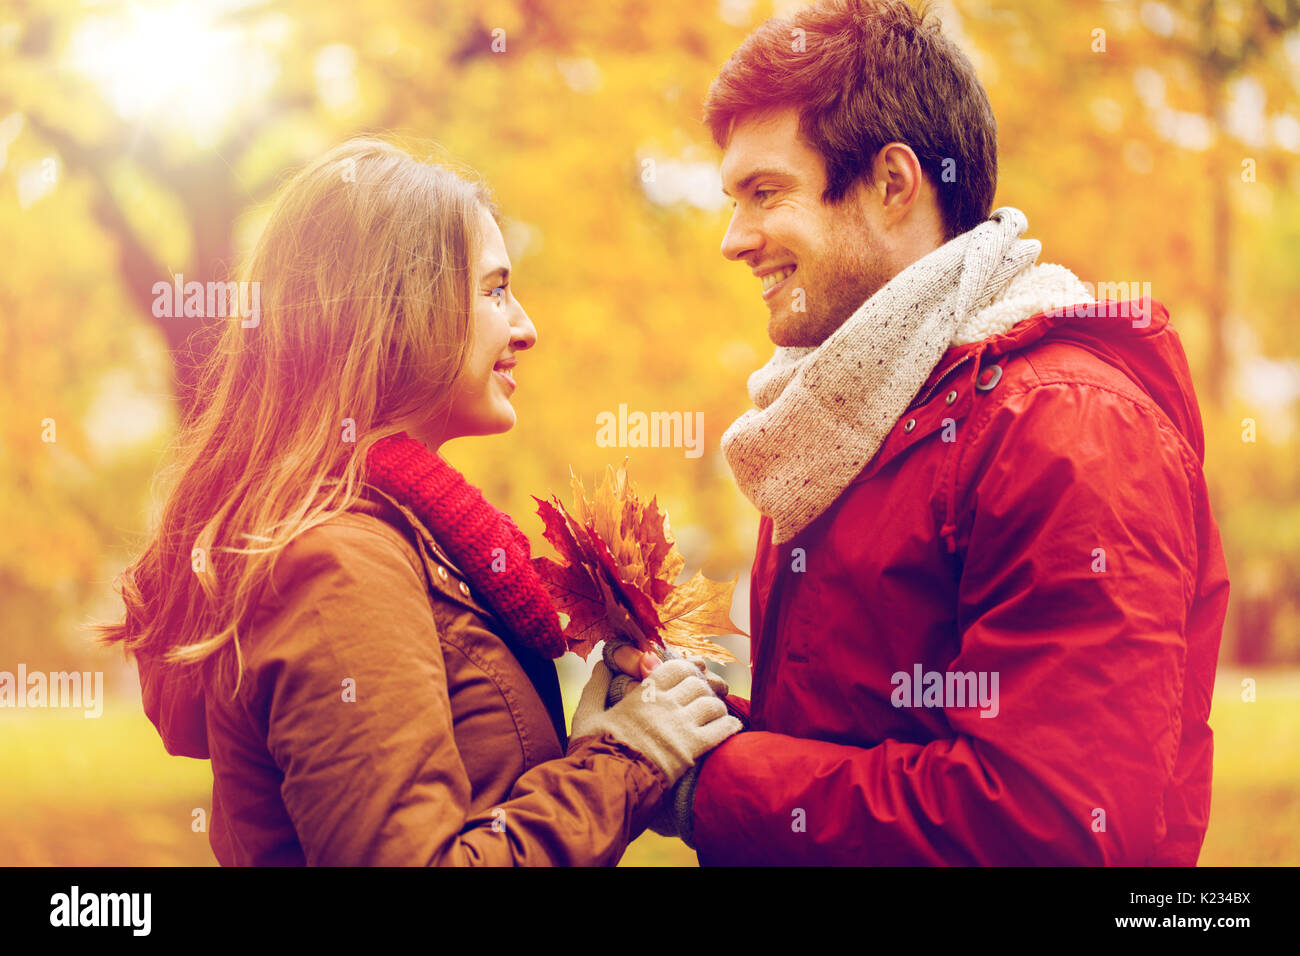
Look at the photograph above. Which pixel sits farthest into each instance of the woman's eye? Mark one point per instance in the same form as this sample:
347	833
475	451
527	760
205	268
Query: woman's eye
499	289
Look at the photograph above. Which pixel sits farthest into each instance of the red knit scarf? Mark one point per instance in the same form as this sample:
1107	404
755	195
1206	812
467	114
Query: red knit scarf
470	530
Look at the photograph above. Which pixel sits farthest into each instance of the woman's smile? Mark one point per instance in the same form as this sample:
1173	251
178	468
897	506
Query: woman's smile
505	371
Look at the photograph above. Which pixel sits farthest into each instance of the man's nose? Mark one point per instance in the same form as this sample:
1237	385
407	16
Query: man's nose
741	237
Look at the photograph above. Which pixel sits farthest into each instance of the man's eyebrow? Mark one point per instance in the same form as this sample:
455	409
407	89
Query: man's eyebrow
501	271
758	174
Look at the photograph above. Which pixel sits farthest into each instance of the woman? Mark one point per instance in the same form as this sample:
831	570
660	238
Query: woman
331	613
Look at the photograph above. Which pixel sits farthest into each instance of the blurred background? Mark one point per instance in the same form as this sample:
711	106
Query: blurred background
1147	141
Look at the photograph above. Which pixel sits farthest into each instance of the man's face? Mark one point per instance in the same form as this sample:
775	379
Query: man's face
817	262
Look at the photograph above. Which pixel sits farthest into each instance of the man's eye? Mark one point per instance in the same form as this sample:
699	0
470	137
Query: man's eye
762	194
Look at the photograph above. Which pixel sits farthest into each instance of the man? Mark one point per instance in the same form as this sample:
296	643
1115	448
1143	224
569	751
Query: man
988	592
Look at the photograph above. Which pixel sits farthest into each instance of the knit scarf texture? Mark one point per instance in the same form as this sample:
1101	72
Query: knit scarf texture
823	411
470	529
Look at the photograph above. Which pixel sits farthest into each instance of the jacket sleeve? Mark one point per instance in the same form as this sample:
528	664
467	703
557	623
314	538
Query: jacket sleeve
738	707
1077	568
347	679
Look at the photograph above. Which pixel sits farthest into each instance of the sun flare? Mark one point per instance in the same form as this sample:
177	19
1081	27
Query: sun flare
175	65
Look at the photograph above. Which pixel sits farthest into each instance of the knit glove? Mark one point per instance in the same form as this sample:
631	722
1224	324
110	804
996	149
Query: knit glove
674	816
671	718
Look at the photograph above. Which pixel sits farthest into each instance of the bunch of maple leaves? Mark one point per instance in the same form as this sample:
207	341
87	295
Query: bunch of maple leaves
617	573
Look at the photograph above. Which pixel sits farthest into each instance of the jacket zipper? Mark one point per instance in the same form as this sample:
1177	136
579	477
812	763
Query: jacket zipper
776	599
771	651
935	387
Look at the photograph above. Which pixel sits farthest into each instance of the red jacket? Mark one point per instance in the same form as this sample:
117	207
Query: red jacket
1052	532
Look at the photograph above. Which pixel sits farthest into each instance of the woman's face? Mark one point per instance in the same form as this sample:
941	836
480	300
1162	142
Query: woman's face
480	396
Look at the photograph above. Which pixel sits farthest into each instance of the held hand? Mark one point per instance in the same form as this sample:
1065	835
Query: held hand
672	718
626	662
623	656
715	681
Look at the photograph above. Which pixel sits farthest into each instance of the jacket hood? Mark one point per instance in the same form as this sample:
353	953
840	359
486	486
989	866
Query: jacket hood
173	700
173	695
1136	337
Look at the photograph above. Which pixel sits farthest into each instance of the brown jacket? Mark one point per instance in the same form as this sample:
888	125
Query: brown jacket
384	720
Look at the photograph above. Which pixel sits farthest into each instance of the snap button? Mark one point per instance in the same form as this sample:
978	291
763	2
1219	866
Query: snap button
909	424
950	397
442	573
464	589
994	378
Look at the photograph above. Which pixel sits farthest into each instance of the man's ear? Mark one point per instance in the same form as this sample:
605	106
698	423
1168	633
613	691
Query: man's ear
898	180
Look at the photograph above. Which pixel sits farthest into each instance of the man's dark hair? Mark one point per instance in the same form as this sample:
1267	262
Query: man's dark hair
864	73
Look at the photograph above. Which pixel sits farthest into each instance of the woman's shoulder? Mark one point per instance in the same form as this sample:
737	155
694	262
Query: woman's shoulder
356	541
352	561
351	584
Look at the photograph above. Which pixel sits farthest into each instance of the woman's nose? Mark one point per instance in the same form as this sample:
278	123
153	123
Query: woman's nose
524	333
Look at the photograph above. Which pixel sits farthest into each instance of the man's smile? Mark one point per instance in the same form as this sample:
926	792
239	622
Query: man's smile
774	279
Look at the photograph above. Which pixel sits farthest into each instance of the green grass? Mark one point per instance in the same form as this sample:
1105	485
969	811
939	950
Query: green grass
104	792
97	792
1255	806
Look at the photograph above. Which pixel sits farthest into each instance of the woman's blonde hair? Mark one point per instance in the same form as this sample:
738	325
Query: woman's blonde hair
364	268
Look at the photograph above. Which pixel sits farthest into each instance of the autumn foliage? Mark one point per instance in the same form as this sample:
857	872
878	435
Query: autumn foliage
618	571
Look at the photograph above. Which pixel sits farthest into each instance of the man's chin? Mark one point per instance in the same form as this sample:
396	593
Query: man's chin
789	334
779	330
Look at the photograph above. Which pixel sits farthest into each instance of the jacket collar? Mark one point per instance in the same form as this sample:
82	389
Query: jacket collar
1030	330
380	504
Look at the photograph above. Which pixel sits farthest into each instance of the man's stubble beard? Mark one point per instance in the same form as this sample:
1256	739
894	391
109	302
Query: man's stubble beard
844	282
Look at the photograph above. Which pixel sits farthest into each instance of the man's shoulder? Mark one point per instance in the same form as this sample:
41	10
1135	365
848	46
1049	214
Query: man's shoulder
1063	411
1063	361
1072	383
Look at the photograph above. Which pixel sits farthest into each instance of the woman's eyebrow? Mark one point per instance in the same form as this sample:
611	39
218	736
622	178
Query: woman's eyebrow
496	272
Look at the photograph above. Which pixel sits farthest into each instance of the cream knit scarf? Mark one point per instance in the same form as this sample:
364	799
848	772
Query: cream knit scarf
822	412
